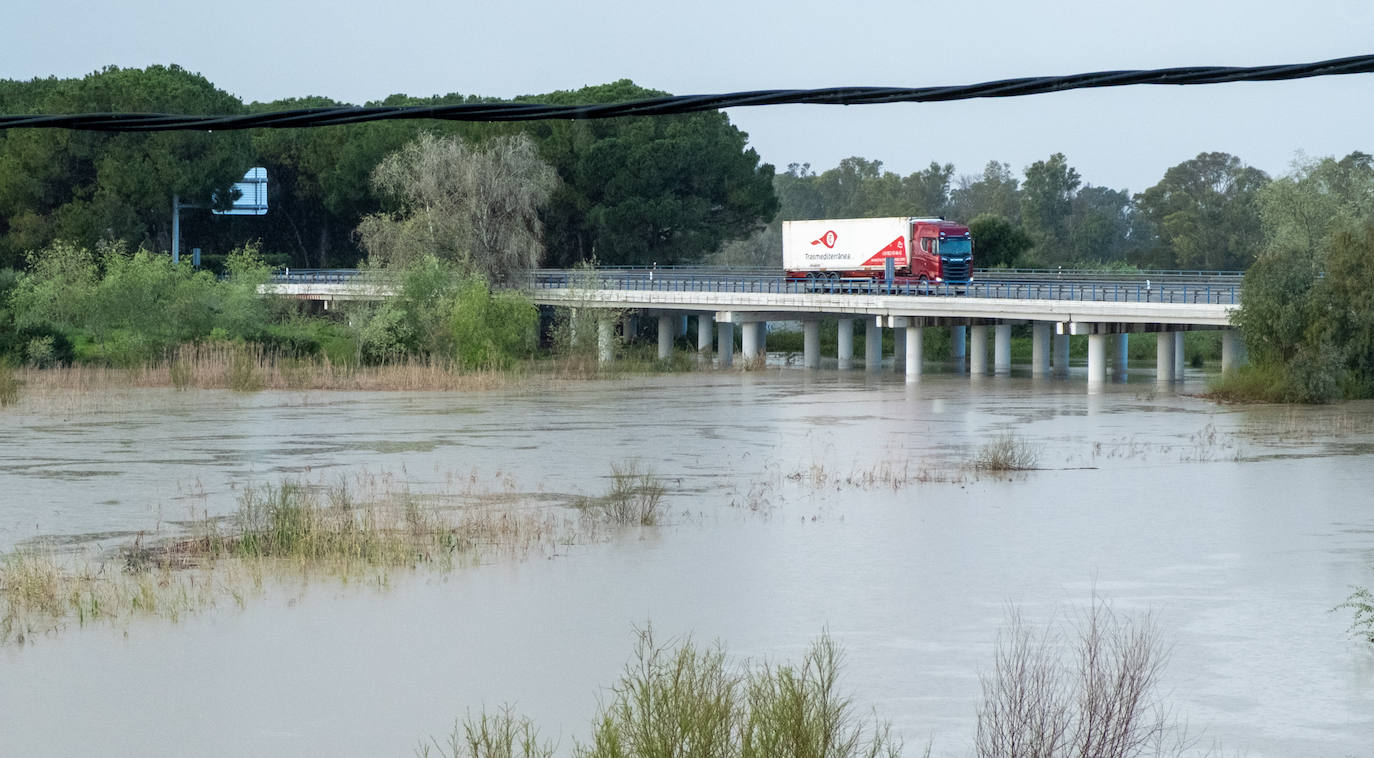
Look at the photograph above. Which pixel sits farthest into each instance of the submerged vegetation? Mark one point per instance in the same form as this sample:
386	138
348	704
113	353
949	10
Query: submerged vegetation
357	532
1089	688
684	699
634	498
1361	604
1006	452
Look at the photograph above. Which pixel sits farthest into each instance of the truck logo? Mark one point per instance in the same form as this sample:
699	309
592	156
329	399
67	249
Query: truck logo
827	239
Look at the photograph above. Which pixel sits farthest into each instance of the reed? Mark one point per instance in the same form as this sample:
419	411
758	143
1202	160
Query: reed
1005	453
249	367
355	532
9	385
634	498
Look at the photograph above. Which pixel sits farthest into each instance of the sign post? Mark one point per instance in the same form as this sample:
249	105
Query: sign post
250	199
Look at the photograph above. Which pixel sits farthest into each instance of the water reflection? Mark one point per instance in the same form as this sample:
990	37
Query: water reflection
1240	526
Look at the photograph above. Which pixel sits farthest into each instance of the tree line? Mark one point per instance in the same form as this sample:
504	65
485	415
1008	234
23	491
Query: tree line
1203	214
629	190
460	206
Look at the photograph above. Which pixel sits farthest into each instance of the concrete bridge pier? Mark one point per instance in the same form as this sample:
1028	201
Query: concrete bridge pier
978	350
605	340
762	326
873	344
899	345
1097	359
1164	358
704	332
846	343
725	339
1232	350
1179	358
1001	349
1061	354
667	328
811	344
914	347
1040	348
749	340
957	351
1121	356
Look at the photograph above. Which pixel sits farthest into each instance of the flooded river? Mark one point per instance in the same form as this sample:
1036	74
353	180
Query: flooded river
1239	527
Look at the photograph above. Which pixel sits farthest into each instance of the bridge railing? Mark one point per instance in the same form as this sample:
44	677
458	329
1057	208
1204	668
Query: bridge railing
1212	287
681	280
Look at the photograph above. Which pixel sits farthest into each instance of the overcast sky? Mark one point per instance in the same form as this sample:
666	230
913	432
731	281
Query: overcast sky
1124	138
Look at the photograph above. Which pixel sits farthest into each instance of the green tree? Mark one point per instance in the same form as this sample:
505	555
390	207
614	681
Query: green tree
926	192
1101	225
1206	212
643	190
997	241
89	186
1302	210
995	191
797	193
476	207
1047	203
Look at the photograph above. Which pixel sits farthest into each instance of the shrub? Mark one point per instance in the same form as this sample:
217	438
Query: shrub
1103	705
1361	603
1007	452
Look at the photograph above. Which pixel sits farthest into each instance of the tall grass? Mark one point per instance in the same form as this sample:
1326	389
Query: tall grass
680	699
634	498
352	532
249	367
1006	452
9	385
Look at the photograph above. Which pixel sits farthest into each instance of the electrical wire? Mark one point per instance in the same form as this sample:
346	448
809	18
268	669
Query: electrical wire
679	104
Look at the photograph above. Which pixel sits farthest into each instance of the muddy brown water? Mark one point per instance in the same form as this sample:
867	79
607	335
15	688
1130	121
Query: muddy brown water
1239	527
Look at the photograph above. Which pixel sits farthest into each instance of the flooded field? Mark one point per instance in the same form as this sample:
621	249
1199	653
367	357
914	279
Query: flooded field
796	502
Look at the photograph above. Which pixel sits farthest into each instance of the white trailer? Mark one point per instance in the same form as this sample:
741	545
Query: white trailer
850	244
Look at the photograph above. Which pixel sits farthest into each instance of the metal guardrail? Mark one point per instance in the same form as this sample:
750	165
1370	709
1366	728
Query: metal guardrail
1219	293
1214	287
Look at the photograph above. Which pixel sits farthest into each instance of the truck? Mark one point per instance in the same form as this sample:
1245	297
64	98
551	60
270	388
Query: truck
922	250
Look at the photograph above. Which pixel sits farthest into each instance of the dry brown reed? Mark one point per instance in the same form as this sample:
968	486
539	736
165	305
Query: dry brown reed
249	367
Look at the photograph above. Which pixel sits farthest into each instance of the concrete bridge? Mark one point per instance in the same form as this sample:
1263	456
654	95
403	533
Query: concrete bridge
1057	304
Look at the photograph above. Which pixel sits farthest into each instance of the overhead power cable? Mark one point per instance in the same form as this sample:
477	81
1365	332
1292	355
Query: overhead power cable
678	104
